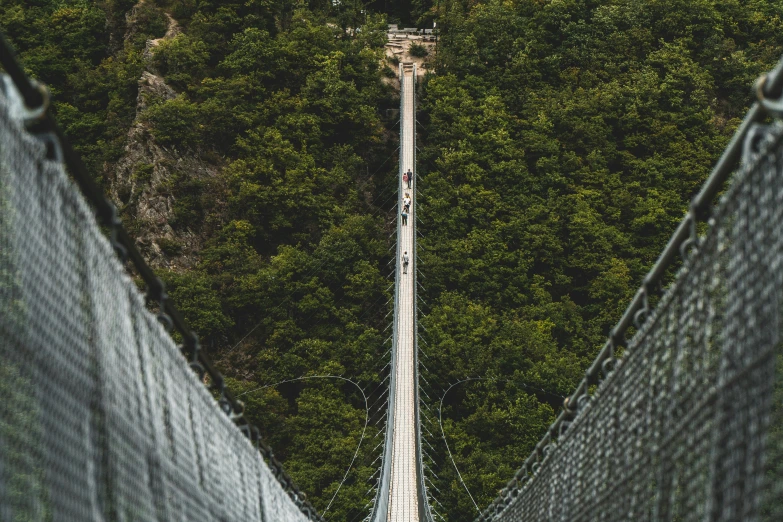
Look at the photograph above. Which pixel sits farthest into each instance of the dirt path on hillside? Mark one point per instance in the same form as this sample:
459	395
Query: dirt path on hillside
398	47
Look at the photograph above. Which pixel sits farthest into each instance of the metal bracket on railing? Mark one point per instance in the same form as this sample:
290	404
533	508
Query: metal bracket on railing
219	385
641	314
688	247
757	137
114	224
54	151
773	107
195	364
35	114
608	364
563	428
35	117
583	401
157	293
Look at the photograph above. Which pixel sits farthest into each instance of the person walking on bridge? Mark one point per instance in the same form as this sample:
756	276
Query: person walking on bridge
405	260
409	174
404	217
406	202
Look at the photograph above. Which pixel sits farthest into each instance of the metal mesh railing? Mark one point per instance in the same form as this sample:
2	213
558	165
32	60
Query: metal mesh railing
101	418
688	423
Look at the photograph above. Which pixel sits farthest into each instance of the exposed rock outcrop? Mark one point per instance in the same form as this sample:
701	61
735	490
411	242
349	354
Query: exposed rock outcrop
172	31
144	182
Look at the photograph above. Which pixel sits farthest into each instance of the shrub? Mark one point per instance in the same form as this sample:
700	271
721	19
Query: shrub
142	173
151	22
170	247
418	50
175	122
181	60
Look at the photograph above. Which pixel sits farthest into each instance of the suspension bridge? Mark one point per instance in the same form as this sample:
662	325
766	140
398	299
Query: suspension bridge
104	417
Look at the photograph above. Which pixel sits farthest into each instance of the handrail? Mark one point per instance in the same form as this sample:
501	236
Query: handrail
37	100
425	513
380	511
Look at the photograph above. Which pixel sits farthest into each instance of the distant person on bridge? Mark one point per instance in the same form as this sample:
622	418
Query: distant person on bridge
405	261
406	202
405	179
410	177
404	217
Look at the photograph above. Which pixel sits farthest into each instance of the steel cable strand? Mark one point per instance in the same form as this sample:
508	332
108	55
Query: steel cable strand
443	433
448	449
364	429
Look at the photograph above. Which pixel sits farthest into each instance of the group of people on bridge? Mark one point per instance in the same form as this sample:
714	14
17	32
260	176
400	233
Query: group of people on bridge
407	179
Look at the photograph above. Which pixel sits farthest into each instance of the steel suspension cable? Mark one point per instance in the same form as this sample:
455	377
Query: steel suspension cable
443	433
364	429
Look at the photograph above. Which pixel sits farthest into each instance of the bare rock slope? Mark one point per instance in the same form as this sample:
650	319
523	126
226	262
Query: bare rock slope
142	183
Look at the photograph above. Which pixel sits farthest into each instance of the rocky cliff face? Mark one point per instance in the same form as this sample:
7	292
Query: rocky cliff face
142	182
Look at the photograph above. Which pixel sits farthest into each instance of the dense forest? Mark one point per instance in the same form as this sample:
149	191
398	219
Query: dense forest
251	148
561	144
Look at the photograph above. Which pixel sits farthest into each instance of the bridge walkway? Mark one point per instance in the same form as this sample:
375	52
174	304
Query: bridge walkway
403	499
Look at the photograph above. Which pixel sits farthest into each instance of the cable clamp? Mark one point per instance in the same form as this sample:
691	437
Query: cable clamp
114	224
641	315
757	139
688	248
772	107
195	347
157	293
33	115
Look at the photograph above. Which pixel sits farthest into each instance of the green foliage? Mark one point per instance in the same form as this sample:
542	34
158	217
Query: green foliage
284	105
176	122
198	299
418	50
149	21
562	142
182	60
142	173
68	45
294	253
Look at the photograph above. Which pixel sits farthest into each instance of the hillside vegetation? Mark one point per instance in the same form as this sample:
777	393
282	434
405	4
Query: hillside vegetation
289	109
560	142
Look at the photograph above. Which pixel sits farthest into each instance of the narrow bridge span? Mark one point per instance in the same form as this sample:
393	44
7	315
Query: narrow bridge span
402	493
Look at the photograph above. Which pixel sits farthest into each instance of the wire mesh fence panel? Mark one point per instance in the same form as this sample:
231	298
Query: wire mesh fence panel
100	416
689	424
